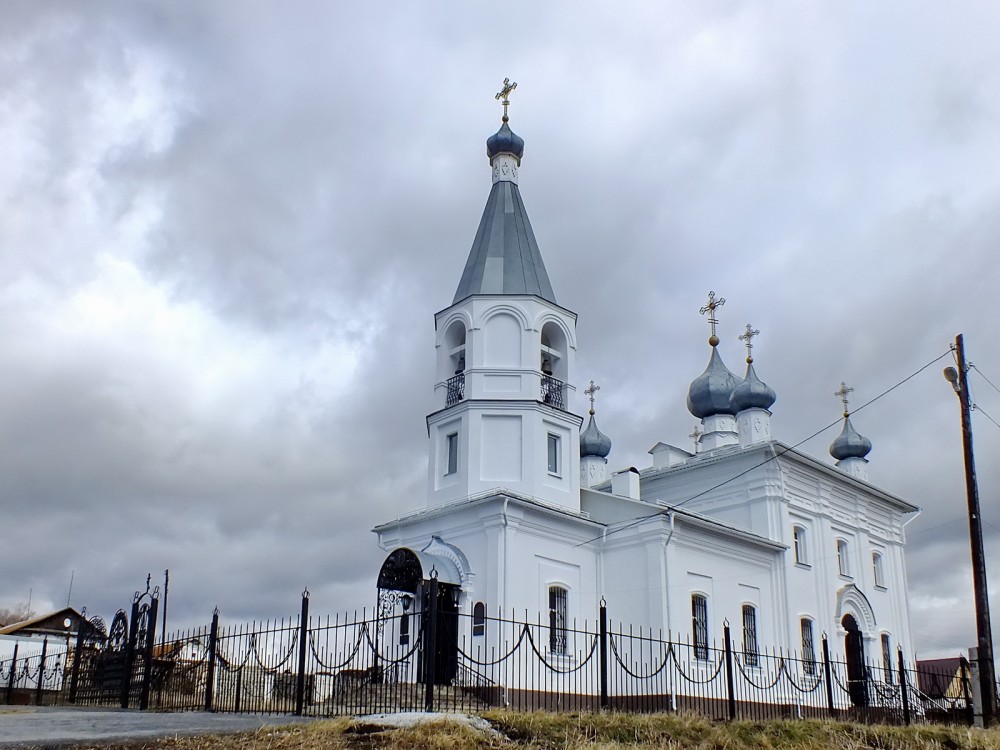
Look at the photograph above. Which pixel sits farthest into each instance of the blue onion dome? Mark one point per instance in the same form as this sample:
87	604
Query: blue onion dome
752	393
593	442
710	392
849	443
505	141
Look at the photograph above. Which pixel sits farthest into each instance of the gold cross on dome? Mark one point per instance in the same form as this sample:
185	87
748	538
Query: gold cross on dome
504	93
590	391
710	308
842	395
696	436
748	337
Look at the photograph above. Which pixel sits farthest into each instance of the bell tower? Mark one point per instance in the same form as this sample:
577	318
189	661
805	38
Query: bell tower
505	359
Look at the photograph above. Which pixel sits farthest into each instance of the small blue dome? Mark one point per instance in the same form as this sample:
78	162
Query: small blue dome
710	392
504	141
593	442
849	443
752	393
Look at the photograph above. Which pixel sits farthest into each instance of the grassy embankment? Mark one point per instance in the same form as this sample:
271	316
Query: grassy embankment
543	731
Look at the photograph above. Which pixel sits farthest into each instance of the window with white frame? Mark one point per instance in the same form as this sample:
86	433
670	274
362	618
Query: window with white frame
799	545
554	458
842	563
699	625
558	609
887	657
479	619
750	651
808	646
877	570
451	453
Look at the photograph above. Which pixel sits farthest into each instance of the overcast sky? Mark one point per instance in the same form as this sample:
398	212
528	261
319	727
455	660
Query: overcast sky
225	228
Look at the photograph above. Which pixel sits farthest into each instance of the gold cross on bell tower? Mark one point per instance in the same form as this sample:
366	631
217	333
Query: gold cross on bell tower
748	337
504	94
590	391
710	308
842	395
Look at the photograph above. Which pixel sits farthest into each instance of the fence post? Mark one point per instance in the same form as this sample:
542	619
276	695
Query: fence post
828	676
964	663
213	637
74	679
730	686
126	686
147	655
300	680
13	671
903	691
604	653
41	672
430	644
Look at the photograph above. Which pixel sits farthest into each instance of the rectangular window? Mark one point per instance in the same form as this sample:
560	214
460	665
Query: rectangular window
887	658
877	570
808	650
451	448
750	653
554	450
557	619
842	565
699	625
799	544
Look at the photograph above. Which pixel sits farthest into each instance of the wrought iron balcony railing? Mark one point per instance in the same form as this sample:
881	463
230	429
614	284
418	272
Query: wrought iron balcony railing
553	392
456	389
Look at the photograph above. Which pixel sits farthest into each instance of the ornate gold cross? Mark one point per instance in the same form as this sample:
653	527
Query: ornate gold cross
748	337
590	391
710	308
842	395
696	436
504	94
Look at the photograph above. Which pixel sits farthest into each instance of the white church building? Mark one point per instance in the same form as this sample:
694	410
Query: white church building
523	514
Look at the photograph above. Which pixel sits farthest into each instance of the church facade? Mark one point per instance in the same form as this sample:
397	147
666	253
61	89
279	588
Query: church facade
523	516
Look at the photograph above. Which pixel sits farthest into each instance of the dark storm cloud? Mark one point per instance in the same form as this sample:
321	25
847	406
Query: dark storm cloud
227	228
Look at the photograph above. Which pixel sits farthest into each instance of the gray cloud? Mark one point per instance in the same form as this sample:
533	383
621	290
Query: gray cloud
226	229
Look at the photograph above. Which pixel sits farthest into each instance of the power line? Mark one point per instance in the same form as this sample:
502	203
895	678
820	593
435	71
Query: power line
977	407
776	455
973	367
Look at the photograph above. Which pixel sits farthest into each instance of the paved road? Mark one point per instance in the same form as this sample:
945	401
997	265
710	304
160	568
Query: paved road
26	727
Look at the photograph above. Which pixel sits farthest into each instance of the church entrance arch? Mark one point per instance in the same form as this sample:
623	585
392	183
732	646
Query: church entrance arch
854	652
406	583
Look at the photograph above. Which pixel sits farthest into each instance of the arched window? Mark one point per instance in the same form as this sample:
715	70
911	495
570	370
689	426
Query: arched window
479	619
699	625
842	563
750	651
887	658
558	609
454	374
808	646
877	570
799	545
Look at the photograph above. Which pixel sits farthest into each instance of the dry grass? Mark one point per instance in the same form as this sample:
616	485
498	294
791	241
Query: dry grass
612	731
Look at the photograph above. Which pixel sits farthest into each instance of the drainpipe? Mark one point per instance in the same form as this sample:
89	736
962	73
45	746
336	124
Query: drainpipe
505	571
666	593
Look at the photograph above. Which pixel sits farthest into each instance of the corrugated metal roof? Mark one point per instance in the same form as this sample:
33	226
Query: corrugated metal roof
504	258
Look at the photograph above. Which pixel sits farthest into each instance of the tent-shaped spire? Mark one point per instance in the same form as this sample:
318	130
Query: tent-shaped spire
504	258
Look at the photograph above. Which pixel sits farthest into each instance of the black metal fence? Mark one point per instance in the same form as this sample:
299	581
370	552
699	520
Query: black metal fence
440	659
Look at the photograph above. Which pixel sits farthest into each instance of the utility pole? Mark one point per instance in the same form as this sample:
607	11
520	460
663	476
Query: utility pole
984	633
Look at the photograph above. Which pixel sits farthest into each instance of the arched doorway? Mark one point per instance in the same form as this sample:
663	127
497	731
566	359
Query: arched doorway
854	652
405	580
